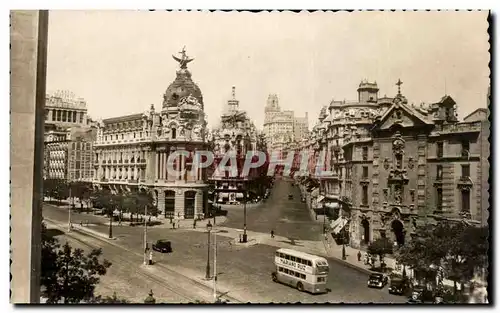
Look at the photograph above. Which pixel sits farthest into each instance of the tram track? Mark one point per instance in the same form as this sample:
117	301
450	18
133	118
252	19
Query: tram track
197	288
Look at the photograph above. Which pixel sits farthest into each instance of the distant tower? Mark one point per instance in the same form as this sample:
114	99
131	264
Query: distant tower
233	104
367	92
272	103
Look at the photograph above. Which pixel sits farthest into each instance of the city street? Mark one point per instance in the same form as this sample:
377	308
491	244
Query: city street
243	270
288	218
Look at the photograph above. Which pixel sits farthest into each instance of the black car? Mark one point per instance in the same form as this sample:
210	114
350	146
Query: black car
290	197
399	286
162	246
421	294
377	280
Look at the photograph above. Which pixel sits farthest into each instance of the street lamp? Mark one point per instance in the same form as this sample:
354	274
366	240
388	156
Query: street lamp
111	226
245	215
209	228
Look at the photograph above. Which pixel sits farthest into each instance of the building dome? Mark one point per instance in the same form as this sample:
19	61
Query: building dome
183	86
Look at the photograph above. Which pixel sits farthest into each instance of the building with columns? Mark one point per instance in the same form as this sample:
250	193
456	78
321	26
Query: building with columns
395	165
131	152
236	134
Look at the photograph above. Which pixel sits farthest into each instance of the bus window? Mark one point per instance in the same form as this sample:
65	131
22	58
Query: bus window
280	269
297	274
287	257
285	270
309	263
282	255
292	258
304	262
321	279
299	260
277	254
302	276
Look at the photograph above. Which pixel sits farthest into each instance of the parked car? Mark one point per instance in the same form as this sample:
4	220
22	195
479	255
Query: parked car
290	197
399	286
378	280
163	246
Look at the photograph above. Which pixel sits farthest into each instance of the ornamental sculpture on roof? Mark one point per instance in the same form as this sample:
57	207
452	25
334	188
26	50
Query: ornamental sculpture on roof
184	60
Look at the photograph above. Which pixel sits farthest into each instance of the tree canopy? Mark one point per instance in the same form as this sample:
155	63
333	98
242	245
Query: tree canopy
69	274
380	247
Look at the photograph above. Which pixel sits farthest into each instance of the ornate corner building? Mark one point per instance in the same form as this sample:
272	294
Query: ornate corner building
132	151
395	166
236	135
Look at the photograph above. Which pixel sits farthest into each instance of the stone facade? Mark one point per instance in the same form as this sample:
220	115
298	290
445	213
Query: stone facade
395	165
132	151
236	135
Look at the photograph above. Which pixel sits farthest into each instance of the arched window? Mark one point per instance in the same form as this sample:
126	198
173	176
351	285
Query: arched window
169	203
189	202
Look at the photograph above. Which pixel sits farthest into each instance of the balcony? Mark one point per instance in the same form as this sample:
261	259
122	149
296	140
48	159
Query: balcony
464	182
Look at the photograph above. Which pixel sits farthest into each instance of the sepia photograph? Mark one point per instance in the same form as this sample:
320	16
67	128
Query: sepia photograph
209	157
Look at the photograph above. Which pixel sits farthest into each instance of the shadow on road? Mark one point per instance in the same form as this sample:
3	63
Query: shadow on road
52	232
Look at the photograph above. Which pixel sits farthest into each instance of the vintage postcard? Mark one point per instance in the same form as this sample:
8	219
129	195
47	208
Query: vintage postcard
238	157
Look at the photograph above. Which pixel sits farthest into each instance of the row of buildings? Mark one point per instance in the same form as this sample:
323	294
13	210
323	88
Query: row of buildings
391	166
132	152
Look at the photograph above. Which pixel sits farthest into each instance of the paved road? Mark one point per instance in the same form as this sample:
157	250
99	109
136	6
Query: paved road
245	271
289	218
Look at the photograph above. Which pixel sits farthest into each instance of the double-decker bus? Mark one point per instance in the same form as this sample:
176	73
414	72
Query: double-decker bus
303	271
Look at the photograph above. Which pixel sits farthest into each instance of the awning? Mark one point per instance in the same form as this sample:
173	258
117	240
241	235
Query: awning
335	223
239	195
320	198
331	205
340	225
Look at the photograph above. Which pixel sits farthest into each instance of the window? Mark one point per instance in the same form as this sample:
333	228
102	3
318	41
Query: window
365	195
292	259
439	150
466	201
302	276
465	148
309	263
116	136
282	255
439	172
439	199
134	135
285	270
280	269
122	136
321	279
465	170
277	254
365	153
297	274
287	257
365	171
174	133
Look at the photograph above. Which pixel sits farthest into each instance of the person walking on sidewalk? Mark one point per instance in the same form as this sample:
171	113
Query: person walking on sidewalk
359	256
272	233
151	257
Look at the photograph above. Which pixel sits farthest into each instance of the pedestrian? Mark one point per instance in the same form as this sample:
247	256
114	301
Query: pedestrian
150	257
171	217
359	256
173	225
194	223
272	233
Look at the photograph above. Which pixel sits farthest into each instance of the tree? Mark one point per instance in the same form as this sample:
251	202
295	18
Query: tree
454	249
380	247
56	188
68	274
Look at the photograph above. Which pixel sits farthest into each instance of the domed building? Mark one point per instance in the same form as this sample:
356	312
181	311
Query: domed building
133	151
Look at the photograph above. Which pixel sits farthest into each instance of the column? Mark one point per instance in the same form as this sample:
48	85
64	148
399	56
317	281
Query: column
162	165
156	172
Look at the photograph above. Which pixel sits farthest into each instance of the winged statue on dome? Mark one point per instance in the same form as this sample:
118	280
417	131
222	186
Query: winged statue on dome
184	60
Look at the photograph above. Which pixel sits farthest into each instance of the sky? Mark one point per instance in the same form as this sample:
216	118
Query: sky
121	62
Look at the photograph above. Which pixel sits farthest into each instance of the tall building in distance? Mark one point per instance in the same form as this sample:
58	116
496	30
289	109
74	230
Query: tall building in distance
395	165
281	127
69	135
131	152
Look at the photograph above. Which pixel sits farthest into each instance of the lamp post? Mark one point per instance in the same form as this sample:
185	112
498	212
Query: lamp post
111	225
145	236
215	265
244	215
69	210
209	228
